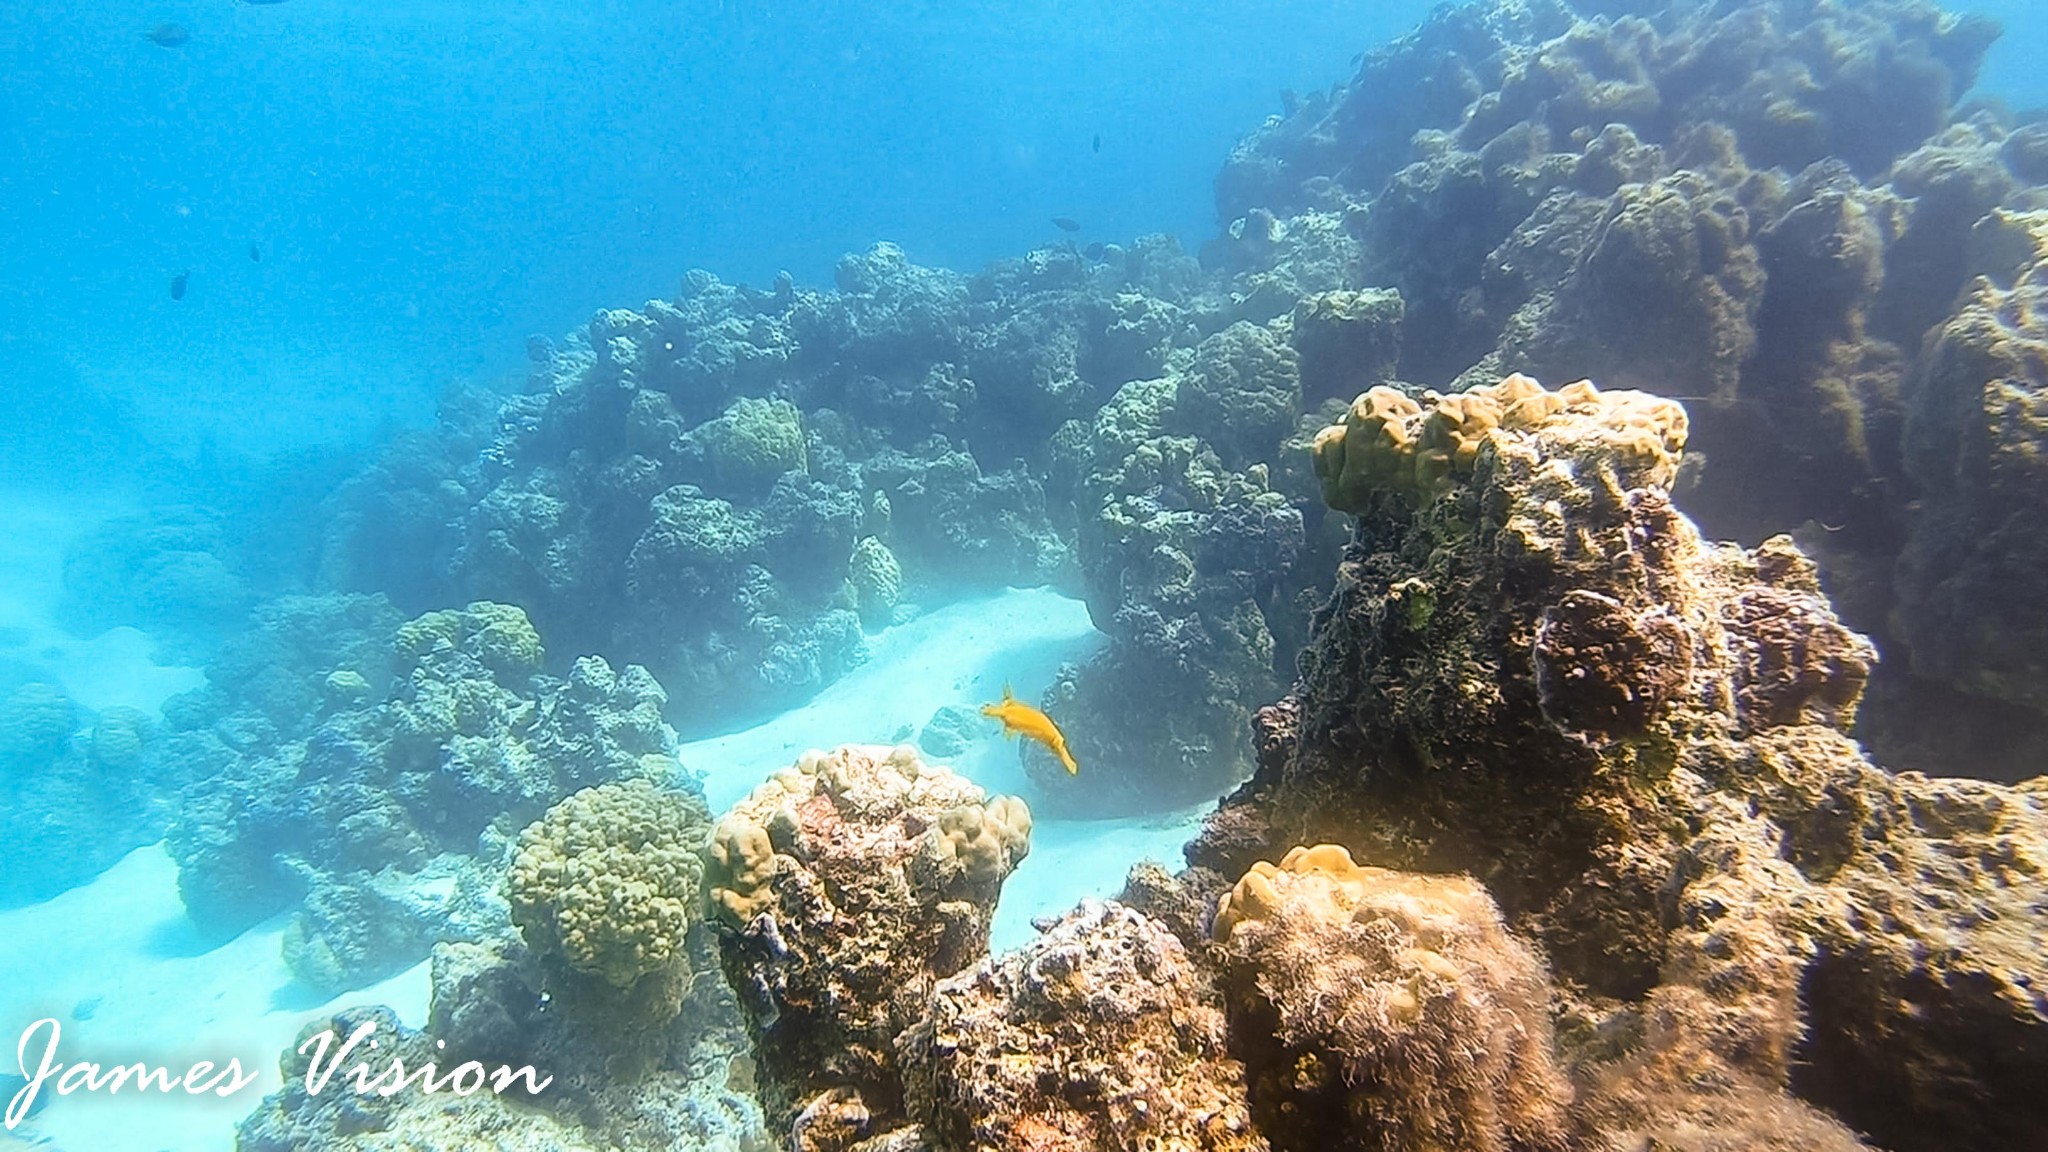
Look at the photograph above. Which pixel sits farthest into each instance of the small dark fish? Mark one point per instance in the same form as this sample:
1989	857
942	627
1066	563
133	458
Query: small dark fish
1098	141
168	35
1066	223
178	283
256	253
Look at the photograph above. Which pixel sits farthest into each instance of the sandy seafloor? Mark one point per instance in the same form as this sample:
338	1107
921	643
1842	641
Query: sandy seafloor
120	967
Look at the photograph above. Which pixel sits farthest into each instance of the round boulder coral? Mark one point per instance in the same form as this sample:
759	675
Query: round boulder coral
609	881
1383	1010
753	443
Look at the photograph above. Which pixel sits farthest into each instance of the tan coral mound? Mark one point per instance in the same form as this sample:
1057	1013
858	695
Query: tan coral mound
1388	442
846	887
1388	1010
1101	1033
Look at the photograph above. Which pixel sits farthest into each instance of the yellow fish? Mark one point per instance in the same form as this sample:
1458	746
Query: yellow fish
1021	719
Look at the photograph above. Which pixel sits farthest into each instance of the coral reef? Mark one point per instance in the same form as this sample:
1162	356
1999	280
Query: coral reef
656	1062
74	789
1192	560
1741	207
365	768
692	487
845	888
1538	674
1101	1033
730	487
1387	1010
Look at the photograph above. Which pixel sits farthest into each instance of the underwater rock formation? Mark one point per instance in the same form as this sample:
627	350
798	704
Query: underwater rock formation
1193	561
631	1053
1771	210
75	791
844	889
1101	1033
1386	1010
1534	671
1972	585
364	768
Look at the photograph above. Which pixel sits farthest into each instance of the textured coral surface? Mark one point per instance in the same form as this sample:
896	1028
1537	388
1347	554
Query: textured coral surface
1540	675
846	887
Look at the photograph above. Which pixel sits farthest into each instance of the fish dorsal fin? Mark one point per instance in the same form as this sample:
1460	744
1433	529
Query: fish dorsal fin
1008	696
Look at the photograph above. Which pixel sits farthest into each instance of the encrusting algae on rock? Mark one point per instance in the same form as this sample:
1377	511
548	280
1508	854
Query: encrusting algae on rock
845	888
1638	741
1388	442
1387	1010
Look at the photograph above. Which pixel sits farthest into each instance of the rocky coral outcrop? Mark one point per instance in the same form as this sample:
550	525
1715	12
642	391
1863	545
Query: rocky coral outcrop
365	769
1973	578
77	795
1101	1033
604	887
1538	674
845	888
1387	1010
1699	200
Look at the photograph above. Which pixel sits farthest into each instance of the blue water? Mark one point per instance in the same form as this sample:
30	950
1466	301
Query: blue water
430	183
374	200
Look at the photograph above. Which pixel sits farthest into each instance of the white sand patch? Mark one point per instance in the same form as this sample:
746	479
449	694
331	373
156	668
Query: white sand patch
120	966
958	655
117	963
962	655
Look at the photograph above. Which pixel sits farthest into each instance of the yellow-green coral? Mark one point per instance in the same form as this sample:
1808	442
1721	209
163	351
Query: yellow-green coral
987	841
738	867
1388	442
609	880
756	441
499	635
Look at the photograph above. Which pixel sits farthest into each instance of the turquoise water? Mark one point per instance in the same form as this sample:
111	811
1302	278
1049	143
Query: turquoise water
431	183
944	377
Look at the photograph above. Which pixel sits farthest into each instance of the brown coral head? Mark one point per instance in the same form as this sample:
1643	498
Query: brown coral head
1602	669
